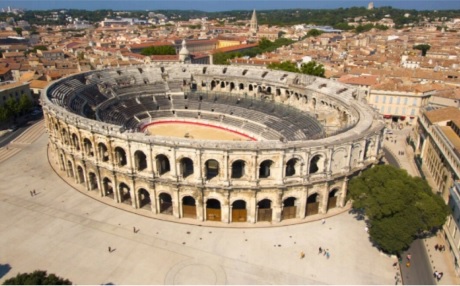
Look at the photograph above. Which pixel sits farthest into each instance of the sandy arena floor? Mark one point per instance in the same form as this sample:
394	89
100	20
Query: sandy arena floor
194	131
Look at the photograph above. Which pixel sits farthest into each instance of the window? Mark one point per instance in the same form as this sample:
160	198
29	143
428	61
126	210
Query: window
405	100
414	102
391	100
382	109
389	110
384	99
398	100
403	111
396	110
376	99
412	112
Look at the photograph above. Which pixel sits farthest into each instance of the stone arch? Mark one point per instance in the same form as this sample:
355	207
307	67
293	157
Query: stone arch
120	156
239	211
125	193
70	171
92	180
186	167
238	169
103	152
264	210
292	167
265	169
165	200
332	198
241	86
88	147
144	199
80	175
188	207
211	169
140	160
316	164
107	188
312	204
162	163
76	141
213	210
289	208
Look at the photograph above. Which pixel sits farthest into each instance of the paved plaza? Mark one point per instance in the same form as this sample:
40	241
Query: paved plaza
68	233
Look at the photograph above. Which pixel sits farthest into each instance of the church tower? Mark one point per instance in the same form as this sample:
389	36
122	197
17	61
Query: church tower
254	28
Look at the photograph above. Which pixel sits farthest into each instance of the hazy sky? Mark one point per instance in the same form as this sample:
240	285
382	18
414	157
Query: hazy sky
222	5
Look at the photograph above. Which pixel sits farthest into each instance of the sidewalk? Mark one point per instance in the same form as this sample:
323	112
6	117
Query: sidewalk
440	261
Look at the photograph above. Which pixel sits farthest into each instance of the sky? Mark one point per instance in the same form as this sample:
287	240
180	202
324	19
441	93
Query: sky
223	5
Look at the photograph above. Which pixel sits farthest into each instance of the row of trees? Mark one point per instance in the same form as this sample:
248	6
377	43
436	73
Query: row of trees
399	208
310	68
264	46
158	50
14	108
38	277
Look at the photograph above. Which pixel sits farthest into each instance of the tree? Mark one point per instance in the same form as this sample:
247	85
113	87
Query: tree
399	207
25	104
312	68
422	47
158	50
314	33
18	31
38	277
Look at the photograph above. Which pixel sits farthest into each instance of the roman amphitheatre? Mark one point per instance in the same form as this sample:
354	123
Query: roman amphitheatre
229	144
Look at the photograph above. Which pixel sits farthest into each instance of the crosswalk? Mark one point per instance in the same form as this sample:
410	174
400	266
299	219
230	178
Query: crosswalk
22	141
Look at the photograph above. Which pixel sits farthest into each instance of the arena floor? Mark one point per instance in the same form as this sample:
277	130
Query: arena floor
193	130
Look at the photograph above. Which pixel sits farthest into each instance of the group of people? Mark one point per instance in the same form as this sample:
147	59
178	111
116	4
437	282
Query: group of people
439	247
325	252
437	275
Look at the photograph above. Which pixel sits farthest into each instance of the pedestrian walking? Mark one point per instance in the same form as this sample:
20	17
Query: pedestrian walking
409	257
327	254
302	255
134	229
35	193
320	250
323	221
435	274
31	194
436	247
110	249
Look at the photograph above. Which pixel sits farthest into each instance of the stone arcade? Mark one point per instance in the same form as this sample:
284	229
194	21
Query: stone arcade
311	136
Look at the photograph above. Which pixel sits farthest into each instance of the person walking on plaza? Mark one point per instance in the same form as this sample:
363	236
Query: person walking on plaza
320	250
302	255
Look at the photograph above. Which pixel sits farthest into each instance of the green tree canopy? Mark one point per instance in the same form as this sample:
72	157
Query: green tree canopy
310	68
38	277
24	104
158	50
399	207
314	33
422	47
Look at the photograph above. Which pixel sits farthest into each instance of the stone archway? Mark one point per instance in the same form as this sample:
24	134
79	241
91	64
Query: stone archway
312	205
213	210
107	188
264	210
165	204
239	211
188	207
92	181
125	194
289	208
332	199
144	199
